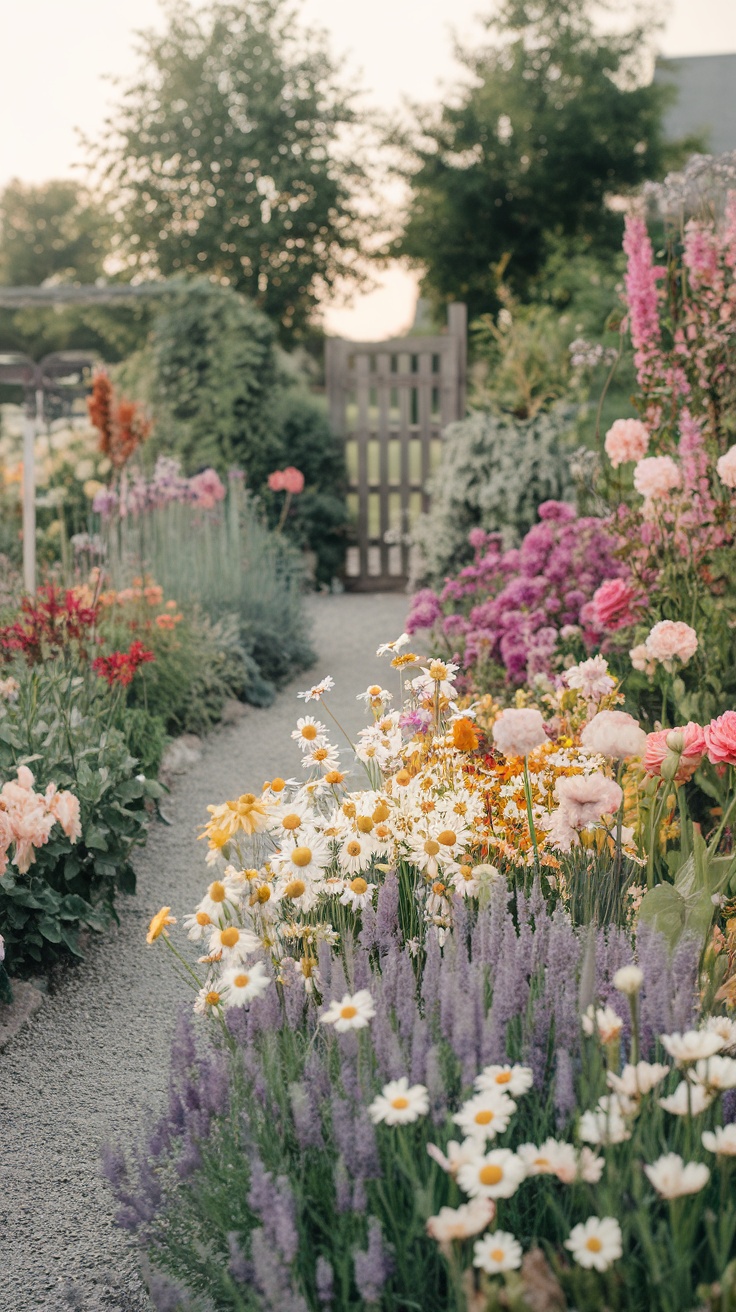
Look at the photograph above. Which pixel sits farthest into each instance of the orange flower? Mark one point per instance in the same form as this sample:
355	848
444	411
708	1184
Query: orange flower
464	735
168	622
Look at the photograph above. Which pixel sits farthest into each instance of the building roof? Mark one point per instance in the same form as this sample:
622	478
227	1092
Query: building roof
706	100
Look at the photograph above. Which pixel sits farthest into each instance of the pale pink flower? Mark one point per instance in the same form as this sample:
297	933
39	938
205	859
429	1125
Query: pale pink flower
31	829
517	732
641	660
590	678
626	439
656	477
25	778
726	468
670	640
614	733
584	798
461	1222
64	807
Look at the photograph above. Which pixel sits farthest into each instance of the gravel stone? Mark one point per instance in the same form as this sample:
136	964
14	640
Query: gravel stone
92	1065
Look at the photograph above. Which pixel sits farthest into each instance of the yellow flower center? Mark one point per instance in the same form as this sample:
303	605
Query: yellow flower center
400	1103
353	848
320	754
229	936
438	671
358	885
439	889
262	894
497	1255
348	809
431	847
301	856
503	1077
295	888
403	778
593	1244
241	981
212	999
382	812
291	821
383	831
309	732
490	1174
278	785
348	1012
484	1117
447	837
334	777
365	824
466	872
217	891
203	918
375	690
541	1162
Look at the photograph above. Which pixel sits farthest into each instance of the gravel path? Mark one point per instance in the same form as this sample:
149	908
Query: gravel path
93	1062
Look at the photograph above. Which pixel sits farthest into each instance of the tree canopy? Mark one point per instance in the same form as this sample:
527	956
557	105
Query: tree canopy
555	119
225	157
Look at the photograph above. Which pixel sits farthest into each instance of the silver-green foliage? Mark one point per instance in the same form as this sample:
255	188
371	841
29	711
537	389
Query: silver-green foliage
494	472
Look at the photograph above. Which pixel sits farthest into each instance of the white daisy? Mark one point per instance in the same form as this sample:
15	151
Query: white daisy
495	1174
673	1178
220	901
497	1252
514	1080
687	1100
208	999
725	1029
635	1081
590	1167
692	1046
375	695
294	815
240	984
717	1073
461	1222
596	1243
353	1012
603	1127
485	1115
305	855
550	1158
198	925
399	1103
324	756
357	893
722	1140
318	690
233	942
604	1022
394	646
309	732
458	1154
355	853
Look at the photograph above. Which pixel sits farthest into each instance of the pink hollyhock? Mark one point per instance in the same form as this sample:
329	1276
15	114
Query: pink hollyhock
726	468
276	481
626	439
293	480
207	489
656	476
670	640
720	739
684	745
613	604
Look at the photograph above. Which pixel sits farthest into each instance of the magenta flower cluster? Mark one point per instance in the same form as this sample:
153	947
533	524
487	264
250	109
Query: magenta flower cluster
514	607
136	493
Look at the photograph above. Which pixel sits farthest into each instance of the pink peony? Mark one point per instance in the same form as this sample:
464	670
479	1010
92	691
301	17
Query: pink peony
518	732
657	476
670	640
720	739
612	604
615	734
584	798
684	746
626	439
727	468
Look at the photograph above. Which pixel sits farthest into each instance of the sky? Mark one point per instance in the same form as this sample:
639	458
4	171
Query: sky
55	53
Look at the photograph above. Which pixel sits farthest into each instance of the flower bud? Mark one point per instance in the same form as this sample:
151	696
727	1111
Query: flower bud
629	980
675	740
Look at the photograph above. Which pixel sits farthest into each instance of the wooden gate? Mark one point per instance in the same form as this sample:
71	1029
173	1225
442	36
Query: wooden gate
389	402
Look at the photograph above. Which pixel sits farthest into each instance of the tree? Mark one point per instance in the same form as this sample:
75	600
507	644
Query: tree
556	120
59	232
224	158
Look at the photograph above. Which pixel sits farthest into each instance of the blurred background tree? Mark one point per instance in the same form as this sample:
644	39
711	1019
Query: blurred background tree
228	158
556	119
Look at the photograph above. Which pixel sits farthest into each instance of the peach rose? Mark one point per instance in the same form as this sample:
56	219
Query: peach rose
720	739
626	439
684	745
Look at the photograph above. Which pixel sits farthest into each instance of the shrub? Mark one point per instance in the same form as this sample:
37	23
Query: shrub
494	472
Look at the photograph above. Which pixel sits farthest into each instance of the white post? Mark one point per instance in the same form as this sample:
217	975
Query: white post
32	424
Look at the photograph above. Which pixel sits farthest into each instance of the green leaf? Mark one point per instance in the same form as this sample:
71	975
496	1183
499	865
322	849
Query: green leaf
95	838
50	929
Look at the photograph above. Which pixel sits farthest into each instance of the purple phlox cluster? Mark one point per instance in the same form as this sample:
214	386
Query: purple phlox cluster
510	606
373	1266
324	1279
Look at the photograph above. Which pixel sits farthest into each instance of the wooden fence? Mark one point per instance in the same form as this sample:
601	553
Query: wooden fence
389	402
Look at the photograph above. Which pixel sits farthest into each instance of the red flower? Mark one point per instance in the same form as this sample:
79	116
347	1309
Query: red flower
120	667
51	622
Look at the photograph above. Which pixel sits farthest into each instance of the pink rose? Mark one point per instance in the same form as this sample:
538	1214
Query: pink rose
684	745
626	439
670	640
720	739
657	476
612	604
